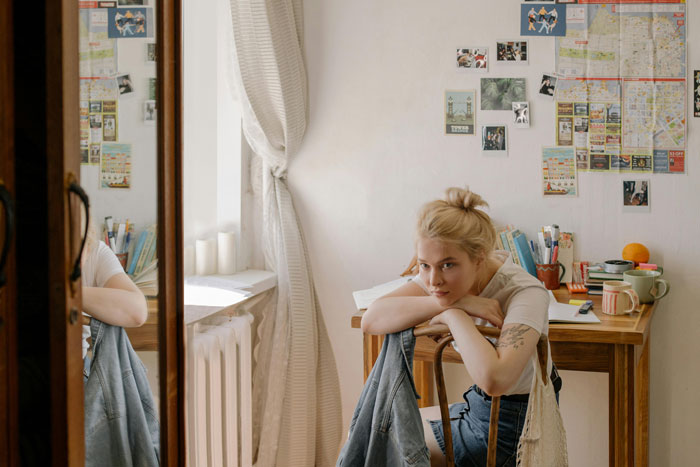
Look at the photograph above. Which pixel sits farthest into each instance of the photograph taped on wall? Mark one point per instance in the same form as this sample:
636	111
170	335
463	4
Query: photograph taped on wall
500	93
548	85
494	140
473	59
521	114
149	112
460	112
542	20
559	175
512	52
635	196
126	86
151	52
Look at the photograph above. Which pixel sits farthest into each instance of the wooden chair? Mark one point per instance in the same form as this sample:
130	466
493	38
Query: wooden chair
442	333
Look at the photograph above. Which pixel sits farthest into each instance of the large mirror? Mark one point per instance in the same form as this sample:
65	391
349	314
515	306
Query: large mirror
119	172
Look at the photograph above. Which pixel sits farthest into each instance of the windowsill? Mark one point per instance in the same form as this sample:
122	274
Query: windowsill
208	295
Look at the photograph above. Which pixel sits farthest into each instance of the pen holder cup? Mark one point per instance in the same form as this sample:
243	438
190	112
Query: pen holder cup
549	274
122	259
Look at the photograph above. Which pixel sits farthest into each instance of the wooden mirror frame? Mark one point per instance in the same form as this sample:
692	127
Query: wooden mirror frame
170	278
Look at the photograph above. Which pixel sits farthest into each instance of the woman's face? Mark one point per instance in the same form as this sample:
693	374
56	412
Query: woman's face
446	269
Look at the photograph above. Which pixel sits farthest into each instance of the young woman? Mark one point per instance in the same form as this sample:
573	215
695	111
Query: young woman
463	282
108	293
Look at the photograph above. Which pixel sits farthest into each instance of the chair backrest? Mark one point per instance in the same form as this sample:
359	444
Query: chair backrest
445	338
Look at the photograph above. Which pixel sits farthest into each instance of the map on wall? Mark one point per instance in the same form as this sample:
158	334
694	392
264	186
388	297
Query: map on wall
621	96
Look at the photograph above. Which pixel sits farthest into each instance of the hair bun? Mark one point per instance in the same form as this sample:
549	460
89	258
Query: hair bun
464	198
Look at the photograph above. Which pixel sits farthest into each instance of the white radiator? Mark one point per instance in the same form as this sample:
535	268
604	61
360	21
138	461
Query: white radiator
219	393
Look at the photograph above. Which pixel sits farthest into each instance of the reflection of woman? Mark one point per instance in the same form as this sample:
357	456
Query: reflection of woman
462	283
108	293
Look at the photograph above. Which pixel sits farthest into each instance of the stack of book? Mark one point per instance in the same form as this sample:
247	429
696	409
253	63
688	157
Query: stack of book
515	242
595	277
143	262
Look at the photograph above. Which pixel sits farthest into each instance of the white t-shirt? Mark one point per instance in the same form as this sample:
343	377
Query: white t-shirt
100	265
523	300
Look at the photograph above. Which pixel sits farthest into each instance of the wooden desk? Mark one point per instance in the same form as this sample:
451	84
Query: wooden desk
619	345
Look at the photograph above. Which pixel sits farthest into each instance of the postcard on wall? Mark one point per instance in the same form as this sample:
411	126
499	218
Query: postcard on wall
494	140
460	112
115	165
515	52
542	20
500	93
152	89
151	52
635	196
128	23
696	93
581	159
98	53
548	85
559	177
98	89
521	114
565	131
109	127
149	112
473	59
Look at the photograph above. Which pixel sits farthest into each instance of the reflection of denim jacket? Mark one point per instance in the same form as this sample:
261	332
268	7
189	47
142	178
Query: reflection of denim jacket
121	422
386	428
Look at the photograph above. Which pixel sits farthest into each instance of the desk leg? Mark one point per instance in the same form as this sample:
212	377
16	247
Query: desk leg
372	345
423	377
641	406
621	425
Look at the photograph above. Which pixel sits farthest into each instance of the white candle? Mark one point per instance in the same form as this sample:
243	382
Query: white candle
205	257
227	252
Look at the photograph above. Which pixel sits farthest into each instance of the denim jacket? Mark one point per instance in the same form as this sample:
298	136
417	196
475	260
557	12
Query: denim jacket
386	428
121	422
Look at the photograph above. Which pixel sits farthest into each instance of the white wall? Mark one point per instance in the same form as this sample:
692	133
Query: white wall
139	204
375	151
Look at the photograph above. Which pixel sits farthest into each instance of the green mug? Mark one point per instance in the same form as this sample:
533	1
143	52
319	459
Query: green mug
645	283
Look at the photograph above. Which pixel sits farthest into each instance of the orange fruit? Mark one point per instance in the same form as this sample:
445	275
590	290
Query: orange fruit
635	252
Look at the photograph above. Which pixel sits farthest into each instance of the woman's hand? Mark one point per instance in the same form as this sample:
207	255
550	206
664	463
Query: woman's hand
480	307
448	316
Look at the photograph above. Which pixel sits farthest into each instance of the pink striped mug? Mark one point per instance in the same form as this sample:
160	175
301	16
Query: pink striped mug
619	298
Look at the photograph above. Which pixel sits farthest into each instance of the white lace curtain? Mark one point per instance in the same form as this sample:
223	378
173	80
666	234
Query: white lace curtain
297	409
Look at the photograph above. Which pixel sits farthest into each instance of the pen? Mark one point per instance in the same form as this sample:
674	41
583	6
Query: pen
555	235
555	254
110	233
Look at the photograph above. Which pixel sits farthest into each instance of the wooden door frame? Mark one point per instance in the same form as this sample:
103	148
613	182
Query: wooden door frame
170	278
65	439
8	293
63	166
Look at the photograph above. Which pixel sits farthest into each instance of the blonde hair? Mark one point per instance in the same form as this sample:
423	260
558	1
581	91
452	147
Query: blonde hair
457	220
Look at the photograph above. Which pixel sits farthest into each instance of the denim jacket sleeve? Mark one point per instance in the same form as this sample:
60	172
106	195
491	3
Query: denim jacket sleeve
121	422
386	428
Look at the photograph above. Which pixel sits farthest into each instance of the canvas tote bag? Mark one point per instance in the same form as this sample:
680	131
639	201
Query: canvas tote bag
543	440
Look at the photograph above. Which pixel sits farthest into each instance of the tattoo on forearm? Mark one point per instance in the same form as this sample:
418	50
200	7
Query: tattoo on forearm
513	336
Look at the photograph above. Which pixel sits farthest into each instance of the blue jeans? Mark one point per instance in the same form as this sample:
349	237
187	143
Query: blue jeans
470	430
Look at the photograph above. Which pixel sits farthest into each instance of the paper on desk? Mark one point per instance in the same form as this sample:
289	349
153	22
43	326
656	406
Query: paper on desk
364	298
565	313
